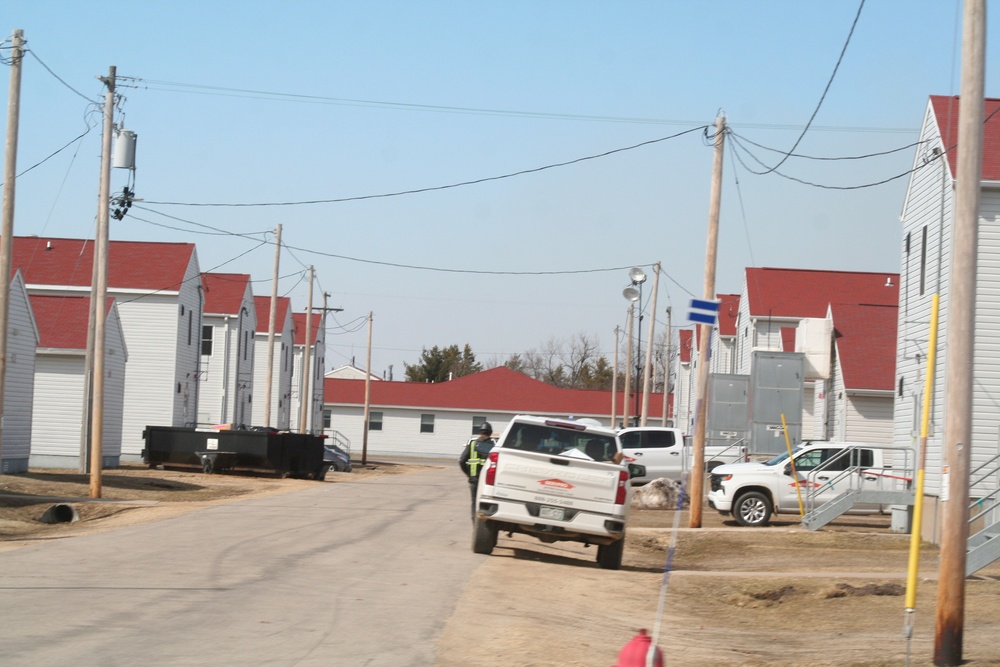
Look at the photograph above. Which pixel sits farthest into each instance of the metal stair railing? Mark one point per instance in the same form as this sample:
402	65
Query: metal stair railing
982	548
342	441
892	485
737	444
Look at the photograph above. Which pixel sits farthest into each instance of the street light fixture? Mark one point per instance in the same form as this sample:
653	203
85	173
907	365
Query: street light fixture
633	293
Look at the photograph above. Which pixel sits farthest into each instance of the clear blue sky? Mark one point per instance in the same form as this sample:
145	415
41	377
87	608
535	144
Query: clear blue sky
265	102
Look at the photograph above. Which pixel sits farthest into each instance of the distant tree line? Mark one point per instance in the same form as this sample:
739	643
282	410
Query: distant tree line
573	363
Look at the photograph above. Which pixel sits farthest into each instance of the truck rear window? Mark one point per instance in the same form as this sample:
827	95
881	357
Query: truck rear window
551	440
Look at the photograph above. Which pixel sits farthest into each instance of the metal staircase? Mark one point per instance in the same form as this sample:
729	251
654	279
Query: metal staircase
858	485
982	548
341	440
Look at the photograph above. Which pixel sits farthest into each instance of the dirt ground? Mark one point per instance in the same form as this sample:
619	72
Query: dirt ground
733	596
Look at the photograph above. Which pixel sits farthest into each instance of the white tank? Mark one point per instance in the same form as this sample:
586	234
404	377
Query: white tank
124	154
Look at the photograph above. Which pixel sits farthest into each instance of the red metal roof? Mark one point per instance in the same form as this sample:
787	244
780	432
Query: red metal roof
686	336
802	293
299	322
729	308
224	292
866	344
946	115
787	339
131	264
498	389
62	320
263	307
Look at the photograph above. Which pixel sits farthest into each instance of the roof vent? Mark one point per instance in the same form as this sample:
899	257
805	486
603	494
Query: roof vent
888	281
48	245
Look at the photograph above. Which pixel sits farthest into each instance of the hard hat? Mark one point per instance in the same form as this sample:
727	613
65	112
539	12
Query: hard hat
486	428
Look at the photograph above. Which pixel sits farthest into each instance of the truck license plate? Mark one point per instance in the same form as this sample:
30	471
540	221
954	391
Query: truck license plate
556	513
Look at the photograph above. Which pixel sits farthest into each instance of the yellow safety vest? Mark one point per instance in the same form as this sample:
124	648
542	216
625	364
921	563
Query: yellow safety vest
475	460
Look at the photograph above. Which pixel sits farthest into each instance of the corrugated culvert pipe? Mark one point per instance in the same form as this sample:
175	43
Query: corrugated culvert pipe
61	513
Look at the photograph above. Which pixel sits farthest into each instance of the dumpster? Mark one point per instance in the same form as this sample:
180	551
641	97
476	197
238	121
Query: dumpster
215	451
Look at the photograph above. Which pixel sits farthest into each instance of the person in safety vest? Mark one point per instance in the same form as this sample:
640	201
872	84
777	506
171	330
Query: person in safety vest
473	459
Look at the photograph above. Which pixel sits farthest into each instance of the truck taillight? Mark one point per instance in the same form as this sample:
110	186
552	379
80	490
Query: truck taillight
491	468
622	488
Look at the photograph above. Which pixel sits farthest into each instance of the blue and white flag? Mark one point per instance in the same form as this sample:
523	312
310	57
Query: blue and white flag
703	312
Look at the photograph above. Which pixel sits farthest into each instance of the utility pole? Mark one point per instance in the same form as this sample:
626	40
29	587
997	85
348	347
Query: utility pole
270	328
368	392
950	618
666	369
648	367
705	331
614	383
306	400
628	364
99	292
7	229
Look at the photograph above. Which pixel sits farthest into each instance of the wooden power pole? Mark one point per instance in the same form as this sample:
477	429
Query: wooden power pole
648	366
666	369
705	331
368	393
99	291
949	622
270	329
305	400
7	231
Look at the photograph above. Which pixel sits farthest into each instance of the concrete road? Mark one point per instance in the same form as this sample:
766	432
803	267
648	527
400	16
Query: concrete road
348	573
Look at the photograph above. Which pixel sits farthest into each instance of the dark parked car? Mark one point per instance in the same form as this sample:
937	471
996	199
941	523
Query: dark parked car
336	459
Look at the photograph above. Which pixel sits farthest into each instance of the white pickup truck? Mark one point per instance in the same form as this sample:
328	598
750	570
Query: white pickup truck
557	480
664	453
752	492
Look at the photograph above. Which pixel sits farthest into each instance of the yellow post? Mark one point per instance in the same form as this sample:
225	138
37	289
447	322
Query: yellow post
791	462
918	504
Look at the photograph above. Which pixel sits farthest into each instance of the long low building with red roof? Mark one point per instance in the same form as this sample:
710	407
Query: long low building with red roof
437	419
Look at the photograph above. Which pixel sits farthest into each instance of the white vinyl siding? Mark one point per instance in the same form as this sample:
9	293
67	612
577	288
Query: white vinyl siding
868	419
160	384
213	400
317	361
58	402
188	349
150	327
281	376
19	381
928	205
808	409
986	365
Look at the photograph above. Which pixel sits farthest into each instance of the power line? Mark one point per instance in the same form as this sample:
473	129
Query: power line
825	158
202	89
436	187
825	90
57	77
382	263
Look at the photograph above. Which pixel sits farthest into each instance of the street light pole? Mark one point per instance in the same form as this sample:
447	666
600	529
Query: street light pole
637	277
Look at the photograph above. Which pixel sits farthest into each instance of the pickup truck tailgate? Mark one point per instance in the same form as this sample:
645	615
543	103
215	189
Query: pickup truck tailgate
560	480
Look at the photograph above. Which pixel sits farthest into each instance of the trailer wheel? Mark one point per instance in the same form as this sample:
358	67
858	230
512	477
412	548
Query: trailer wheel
207	465
484	536
609	556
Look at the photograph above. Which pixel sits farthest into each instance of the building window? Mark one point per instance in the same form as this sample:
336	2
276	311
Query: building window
190	316
326	419
923	260
477	422
426	423
375	421
207	333
246	344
